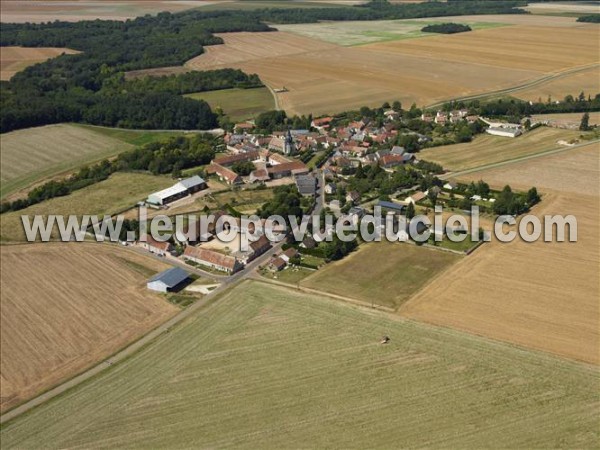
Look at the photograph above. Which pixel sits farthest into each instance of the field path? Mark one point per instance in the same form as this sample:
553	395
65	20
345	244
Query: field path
516	160
529	84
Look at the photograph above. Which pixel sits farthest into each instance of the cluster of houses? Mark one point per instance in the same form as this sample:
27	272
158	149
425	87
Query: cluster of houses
209	258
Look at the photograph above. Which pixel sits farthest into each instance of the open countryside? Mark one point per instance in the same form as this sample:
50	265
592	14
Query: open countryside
551	300
488	149
97	303
15	59
313	71
118	193
31	154
327	108
269	367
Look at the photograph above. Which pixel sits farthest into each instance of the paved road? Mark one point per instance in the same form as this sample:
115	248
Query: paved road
226	282
516	160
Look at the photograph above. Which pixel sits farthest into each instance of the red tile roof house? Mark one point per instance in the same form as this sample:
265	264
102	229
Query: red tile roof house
159	248
212	259
277	264
289	254
259	247
389	161
224	174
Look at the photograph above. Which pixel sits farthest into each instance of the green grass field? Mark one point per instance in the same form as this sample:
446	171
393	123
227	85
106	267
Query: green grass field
238	104
361	33
107	197
266	367
384	273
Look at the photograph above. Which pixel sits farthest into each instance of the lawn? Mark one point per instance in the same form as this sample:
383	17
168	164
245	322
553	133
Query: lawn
238	104
488	149
288	275
384	273
107	197
267	367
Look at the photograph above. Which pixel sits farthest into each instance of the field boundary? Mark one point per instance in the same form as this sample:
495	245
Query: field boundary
521	87
516	160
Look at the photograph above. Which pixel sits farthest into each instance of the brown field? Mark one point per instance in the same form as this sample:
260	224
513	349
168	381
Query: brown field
66	307
540	295
488	149
567	119
15	59
19	11
544	49
587	81
322	77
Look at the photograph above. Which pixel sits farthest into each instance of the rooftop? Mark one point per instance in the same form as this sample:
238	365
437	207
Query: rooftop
171	277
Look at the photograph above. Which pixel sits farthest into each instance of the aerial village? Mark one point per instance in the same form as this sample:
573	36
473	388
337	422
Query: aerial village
319	162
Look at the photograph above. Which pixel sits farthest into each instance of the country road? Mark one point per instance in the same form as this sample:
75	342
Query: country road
226	282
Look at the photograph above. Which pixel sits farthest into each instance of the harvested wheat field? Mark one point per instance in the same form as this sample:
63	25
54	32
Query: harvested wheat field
34	153
268	367
20	11
488	149
551	300
587	81
68	306
15	59
324	78
245	46
546	49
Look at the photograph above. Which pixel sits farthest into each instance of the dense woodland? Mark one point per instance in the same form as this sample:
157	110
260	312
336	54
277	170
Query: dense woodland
446	28
90	87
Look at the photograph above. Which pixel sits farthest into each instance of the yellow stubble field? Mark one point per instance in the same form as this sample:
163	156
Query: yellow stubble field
539	295
323	78
68	306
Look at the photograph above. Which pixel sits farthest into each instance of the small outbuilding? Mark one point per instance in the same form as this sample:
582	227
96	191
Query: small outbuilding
168	280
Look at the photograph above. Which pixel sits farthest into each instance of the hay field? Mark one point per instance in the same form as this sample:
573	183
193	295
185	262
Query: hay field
66	307
117	193
238	104
587	81
15	59
325	78
539	295
384	273
32	154
20	11
266	367
488	149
